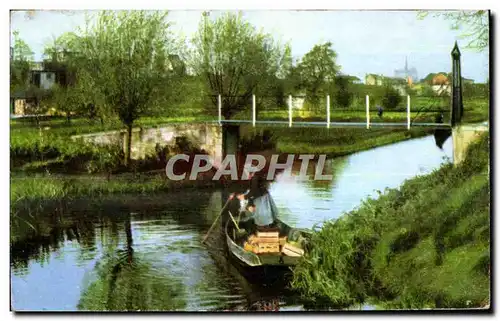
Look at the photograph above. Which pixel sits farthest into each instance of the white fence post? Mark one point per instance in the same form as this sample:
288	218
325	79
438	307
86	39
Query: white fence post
219	105
408	113
290	111
253	110
328	111
367	111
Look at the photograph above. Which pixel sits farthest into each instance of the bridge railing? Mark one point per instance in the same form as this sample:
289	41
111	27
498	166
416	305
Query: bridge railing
322	111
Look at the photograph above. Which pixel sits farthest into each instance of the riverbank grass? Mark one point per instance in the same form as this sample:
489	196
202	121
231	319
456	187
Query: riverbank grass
424	245
333	142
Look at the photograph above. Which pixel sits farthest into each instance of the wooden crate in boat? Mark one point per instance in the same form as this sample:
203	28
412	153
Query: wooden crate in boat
267	240
268	248
268	234
263	239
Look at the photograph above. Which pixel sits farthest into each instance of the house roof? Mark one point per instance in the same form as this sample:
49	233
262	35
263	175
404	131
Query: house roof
440	79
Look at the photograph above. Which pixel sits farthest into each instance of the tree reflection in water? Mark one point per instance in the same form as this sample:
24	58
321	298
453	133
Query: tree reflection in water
127	283
38	245
155	262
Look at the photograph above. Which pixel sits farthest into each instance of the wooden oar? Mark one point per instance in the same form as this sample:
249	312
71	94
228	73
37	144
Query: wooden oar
234	221
241	232
218	216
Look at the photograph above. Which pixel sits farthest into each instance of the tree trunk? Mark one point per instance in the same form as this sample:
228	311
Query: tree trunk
68	117
128	145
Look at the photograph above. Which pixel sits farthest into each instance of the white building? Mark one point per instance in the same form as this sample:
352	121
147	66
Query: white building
441	89
43	79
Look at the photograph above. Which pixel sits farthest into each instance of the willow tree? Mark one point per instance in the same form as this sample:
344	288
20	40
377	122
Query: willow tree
124	58
236	60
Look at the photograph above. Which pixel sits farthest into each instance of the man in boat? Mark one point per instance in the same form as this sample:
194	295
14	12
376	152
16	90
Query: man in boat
247	219
264	209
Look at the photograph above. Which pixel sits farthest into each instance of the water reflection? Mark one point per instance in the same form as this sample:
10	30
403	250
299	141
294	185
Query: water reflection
145	252
127	282
306	203
39	246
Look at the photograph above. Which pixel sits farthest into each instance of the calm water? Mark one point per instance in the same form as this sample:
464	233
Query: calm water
146	253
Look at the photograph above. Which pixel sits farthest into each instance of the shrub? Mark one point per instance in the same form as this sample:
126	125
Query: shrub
343	96
391	98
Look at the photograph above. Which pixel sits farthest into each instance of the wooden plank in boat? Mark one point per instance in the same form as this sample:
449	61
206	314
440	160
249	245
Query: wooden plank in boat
268	240
261	234
291	250
252	239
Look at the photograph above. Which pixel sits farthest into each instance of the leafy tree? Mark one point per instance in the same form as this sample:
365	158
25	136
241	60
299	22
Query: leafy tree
317	70
343	94
391	98
37	101
20	63
124	59
236	60
353	79
278	86
475	23
427	91
74	92
21	50
66	100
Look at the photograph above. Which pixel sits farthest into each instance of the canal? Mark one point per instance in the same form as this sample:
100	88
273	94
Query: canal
145	252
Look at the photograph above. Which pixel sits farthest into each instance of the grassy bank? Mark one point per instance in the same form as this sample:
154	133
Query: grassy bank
424	245
33	198
333	142
45	188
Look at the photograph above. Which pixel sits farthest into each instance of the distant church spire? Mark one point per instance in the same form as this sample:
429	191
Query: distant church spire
406	72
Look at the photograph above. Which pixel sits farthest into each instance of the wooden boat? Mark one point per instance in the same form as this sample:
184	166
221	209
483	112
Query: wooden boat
263	265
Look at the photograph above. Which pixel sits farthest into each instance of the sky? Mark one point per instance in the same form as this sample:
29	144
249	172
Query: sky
365	41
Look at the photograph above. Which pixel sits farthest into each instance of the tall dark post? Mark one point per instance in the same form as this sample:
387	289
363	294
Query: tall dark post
457	107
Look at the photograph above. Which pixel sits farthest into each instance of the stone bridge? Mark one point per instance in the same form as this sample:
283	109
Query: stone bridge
203	136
